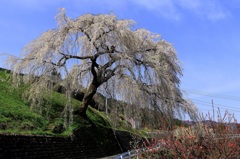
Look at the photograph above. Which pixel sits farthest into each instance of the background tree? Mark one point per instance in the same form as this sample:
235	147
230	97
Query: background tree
99	51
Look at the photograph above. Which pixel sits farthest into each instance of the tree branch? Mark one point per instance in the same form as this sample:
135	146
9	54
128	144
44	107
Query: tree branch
66	57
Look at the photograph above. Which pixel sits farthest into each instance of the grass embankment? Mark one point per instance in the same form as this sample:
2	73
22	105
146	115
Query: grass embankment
16	116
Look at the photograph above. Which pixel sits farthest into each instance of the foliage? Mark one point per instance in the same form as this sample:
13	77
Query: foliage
203	140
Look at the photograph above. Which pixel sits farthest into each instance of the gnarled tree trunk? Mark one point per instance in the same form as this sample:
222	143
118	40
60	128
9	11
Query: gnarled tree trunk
91	91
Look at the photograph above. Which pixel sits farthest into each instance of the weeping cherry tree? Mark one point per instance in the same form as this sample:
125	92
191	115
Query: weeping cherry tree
99	51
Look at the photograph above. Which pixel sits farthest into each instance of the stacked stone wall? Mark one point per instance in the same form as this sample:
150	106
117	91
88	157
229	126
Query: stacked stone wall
21	146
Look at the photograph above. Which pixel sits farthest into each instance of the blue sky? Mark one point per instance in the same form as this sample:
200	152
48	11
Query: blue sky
205	33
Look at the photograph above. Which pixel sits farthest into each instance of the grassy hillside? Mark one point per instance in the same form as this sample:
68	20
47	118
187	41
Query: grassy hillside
16	116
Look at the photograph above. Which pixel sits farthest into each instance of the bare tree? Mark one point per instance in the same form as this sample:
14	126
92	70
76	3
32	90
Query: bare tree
95	51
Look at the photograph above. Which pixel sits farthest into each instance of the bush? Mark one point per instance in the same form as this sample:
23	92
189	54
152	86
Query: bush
204	139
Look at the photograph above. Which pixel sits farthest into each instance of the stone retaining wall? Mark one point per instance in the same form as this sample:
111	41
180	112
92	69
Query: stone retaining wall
44	147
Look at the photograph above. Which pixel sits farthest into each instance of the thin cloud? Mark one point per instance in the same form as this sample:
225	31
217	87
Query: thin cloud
165	8
174	9
170	9
210	9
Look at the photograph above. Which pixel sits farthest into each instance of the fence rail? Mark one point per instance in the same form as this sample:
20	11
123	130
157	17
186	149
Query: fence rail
125	155
134	153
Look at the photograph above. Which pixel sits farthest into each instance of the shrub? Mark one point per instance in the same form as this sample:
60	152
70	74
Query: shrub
204	139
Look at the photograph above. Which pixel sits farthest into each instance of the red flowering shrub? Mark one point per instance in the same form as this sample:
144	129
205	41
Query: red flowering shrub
208	140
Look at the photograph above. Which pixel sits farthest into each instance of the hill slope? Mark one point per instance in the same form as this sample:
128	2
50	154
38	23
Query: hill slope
16	116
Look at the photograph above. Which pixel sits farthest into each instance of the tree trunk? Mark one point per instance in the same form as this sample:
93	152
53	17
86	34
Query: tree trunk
91	91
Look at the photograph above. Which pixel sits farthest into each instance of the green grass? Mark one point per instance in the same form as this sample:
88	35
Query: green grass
16	116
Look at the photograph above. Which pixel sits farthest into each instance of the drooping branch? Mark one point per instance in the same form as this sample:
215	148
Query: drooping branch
97	49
